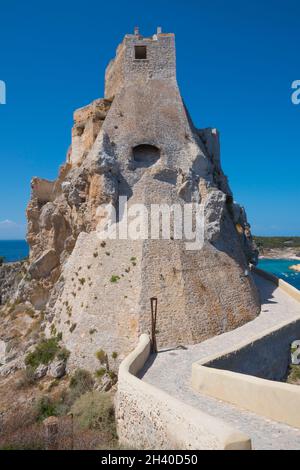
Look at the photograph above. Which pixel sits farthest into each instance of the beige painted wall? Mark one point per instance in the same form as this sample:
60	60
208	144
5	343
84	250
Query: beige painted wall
275	400
149	418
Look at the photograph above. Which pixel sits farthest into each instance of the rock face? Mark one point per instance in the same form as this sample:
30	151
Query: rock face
295	267
140	143
10	277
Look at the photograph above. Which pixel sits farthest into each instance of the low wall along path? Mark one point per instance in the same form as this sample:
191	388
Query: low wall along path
170	372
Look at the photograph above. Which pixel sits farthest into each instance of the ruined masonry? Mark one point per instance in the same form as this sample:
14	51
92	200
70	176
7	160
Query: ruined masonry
139	142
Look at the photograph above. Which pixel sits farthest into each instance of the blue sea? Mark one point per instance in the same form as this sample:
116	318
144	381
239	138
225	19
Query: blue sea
280	267
13	250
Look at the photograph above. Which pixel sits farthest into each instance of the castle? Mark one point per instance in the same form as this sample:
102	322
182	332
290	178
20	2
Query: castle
139	142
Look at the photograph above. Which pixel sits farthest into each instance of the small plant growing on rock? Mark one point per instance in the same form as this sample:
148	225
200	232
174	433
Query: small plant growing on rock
100	372
95	254
103	244
72	328
63	354
114	355
102	358
69	310
53	329
45	407
114	278
82	281
112	375
44	353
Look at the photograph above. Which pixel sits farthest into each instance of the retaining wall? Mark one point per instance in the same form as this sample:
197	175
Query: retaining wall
149	418
239	376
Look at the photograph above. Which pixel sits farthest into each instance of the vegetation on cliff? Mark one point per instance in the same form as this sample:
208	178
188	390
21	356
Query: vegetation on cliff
277	242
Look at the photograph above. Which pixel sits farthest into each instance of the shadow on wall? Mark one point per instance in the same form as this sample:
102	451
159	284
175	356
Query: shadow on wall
266	290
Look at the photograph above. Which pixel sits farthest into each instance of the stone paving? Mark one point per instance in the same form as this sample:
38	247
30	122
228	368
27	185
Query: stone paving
170	370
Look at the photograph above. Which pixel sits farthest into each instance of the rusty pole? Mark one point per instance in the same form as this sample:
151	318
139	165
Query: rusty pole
153	302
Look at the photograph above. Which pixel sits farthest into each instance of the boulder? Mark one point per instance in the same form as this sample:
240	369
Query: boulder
40	371
57	369
44	264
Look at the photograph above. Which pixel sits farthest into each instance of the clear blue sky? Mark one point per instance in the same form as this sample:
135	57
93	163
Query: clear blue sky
236	61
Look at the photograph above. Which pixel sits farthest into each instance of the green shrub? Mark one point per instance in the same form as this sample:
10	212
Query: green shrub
45	407
44	353
114	278
114	355
102	357
59	336
63	354
100	372
94	410
81	382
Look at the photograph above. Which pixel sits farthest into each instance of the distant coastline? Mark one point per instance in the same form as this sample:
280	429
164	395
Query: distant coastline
278	247
280	253
277	255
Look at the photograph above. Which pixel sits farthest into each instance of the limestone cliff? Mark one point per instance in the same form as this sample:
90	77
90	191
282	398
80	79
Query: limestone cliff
137	142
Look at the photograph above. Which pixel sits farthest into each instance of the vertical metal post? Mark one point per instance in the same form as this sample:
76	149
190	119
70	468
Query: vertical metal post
153	301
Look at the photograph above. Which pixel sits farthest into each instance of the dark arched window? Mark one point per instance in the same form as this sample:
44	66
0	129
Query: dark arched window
145	155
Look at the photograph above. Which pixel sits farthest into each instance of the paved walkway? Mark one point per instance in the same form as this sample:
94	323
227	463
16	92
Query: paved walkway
171	371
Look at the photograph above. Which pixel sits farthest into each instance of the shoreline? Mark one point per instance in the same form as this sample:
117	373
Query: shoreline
280	253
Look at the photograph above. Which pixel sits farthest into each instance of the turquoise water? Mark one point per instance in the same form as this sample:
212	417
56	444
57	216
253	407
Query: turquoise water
280	267
13	250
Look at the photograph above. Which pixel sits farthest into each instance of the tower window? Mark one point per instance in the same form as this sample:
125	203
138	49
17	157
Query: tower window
140	52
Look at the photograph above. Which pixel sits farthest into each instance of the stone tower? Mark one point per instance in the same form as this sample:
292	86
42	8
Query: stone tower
140	142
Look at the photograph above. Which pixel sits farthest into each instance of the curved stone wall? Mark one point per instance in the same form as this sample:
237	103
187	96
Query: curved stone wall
149	418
